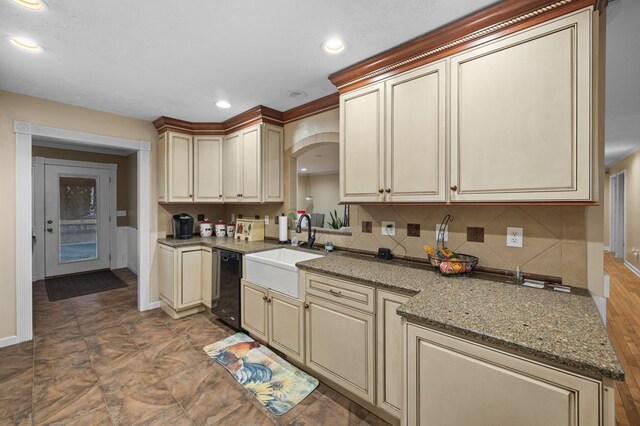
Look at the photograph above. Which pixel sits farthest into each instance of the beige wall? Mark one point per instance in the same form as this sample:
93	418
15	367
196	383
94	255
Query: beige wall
606	202
325	190
132	191
123	183
631	166
47	113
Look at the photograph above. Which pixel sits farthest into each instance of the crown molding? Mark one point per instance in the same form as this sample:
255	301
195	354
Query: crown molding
495	21
312	108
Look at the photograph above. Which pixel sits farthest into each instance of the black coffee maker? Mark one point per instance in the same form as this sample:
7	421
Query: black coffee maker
182	226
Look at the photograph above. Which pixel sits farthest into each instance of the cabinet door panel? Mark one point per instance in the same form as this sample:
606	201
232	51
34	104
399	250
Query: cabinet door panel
230	172
162	167
415	142
361	144
272	161
180	168
286	325
254	310
490	387
206	279
191	277
250	165
520	116
340	345
166	274
389	347
207	170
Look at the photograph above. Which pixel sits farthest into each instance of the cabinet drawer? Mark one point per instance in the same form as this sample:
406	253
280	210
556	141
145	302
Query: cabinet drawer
342	292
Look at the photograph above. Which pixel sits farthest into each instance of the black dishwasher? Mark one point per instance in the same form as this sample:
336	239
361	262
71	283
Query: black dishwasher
227	271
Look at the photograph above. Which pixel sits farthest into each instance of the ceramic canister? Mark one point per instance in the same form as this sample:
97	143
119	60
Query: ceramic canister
206	228
231	230
221	229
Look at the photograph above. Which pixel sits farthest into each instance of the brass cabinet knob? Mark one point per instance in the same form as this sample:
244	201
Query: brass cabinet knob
388	190
190	196
454	187
381	190
268	300
219	195
264	298
306	306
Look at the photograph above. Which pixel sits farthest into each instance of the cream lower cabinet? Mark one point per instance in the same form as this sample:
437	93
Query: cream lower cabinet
389	350
451	381
185	279
521	115
340	333
274	318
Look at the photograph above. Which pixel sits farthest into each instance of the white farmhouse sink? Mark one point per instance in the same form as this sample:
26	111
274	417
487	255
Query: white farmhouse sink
276	269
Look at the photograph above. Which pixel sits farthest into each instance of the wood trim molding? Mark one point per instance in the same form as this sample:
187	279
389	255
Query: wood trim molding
498	20
312	108
258	114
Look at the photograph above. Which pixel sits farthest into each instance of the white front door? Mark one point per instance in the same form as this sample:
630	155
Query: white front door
76	219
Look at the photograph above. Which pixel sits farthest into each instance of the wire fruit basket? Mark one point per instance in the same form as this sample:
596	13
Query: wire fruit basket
444	260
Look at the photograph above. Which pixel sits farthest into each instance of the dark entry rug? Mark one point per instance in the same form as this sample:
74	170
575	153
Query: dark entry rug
82	284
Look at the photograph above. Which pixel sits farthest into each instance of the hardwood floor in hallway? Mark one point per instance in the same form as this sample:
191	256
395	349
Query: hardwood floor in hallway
623	326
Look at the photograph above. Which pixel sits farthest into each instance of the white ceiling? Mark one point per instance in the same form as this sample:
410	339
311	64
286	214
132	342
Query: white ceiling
149	58
321	160
165	57
622	125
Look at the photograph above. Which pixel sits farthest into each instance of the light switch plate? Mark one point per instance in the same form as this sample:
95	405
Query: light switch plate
446	232
388	228
514	237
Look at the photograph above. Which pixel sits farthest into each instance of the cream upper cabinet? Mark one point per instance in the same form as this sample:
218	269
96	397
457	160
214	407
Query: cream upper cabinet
179	167
415	142
362	144
389	349
393	139
230	172
272	155
521	115
252	165
207	169
451	381
162	167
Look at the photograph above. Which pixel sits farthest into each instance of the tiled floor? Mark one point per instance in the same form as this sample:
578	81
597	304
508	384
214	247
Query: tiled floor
96	360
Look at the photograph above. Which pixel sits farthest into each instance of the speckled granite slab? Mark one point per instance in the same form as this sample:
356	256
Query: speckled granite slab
223	243
557	328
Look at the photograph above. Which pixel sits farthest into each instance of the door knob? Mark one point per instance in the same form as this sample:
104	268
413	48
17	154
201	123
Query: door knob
454	187
49	229
49	221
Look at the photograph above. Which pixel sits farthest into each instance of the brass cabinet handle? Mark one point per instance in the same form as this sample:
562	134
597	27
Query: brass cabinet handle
454	187
268	300
306	306
190	196
388	190
381	190
219	195
335	292
264	298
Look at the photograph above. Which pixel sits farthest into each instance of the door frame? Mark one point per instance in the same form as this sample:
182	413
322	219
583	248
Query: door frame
39	248
618	206
24	134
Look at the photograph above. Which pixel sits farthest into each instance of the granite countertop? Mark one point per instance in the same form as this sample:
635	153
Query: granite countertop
553	327
223	243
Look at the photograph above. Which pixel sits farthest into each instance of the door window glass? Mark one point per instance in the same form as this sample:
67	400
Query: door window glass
78	218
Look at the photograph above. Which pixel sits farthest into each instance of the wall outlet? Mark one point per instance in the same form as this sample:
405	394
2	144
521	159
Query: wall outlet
388	228
514	237
446	233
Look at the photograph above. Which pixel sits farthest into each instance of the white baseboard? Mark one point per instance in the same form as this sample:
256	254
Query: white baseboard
607	248
601	304
633	268
8	341
153	305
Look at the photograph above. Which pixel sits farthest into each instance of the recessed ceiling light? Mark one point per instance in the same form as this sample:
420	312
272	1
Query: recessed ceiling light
31	4
297	94
334	45
303	169
25	44
223	104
